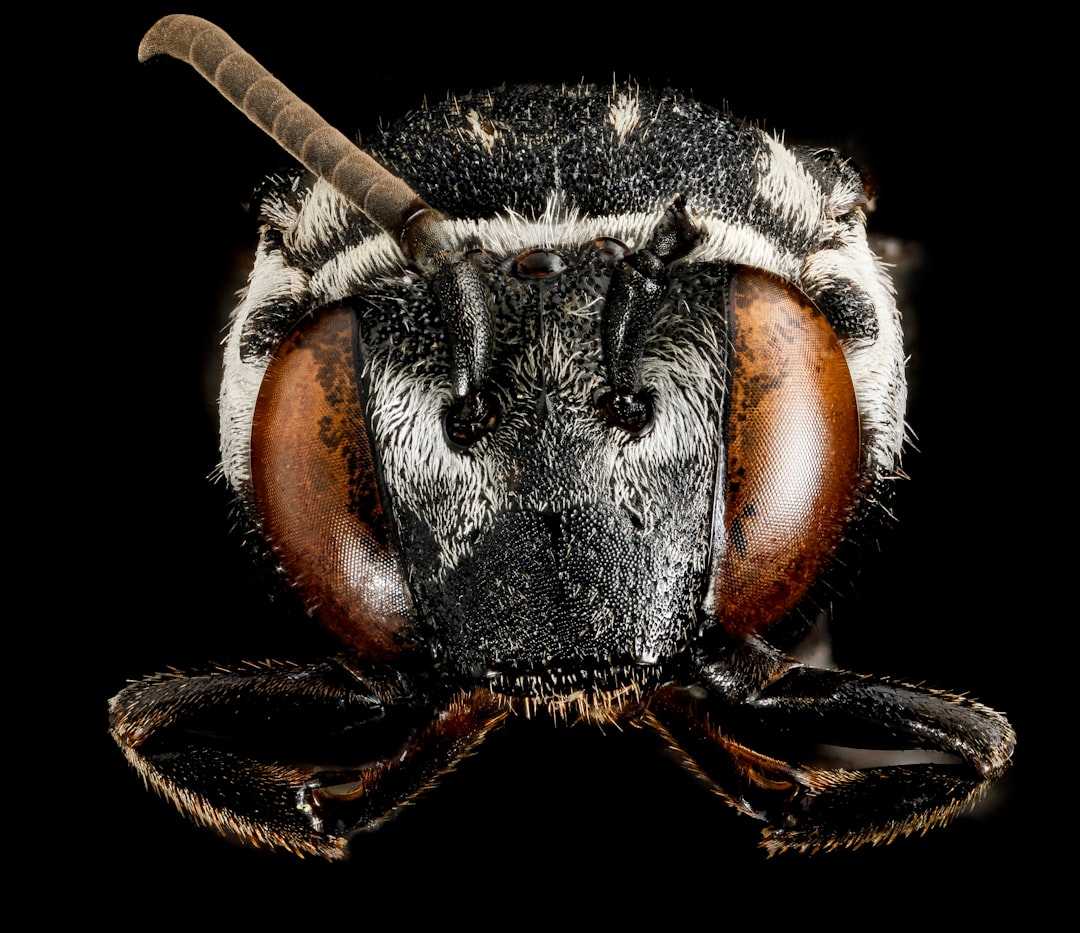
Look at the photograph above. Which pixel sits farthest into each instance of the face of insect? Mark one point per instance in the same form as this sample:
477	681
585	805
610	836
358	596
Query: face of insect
565	403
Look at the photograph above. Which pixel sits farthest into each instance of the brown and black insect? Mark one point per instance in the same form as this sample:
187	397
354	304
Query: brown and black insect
557	402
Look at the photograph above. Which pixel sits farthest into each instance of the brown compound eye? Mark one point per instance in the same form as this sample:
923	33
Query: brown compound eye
792	436
317	493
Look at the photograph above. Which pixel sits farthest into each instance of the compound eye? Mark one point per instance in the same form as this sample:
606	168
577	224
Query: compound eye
792	449
316	489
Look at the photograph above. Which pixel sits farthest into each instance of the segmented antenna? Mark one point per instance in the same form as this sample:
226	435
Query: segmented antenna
383	198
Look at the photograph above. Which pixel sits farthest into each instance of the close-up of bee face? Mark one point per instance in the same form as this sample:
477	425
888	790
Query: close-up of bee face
562	424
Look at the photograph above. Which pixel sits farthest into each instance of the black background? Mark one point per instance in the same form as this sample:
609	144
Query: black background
545	823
